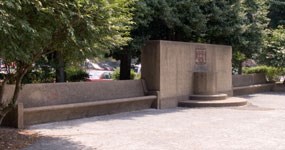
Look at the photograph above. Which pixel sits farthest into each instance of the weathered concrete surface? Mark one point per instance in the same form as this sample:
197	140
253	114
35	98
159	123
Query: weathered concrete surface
253	127
251	89
250	79
169	66
205	83
47	94
279	87
42	103
251	83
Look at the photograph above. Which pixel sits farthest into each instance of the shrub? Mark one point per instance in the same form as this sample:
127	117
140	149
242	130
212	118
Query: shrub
76	74
272	73
42	74
116	74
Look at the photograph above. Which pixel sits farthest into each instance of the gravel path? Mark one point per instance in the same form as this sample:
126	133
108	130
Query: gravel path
259	125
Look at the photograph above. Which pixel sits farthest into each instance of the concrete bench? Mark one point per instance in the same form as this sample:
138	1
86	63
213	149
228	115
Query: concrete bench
250	84
280	87
248	79
41	103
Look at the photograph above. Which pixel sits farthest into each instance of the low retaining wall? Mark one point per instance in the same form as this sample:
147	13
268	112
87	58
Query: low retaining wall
250	79
42	103
279	87
249	84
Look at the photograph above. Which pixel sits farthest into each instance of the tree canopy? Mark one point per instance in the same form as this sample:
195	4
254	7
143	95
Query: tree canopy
273	53
30	29
81	28
240	24
276	13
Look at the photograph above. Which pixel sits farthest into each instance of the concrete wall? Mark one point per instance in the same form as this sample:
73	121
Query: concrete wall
250	84
279	87
169	67
250	79
37	95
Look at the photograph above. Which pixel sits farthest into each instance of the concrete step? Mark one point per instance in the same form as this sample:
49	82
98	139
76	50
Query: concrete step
208	97
233	101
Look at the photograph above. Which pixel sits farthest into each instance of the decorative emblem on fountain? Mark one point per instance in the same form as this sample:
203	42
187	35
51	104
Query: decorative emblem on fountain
200	56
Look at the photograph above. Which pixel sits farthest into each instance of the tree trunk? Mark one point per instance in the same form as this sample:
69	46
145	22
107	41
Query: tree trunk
125	66
4	110
12	103
2	91
3	107
60	73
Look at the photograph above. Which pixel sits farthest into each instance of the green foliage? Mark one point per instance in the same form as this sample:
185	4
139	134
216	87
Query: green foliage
276	13
76	74
116	74
254	19
237	23
272	73
248	39
79	29
183	20
42	74
138	76
274	52
238	58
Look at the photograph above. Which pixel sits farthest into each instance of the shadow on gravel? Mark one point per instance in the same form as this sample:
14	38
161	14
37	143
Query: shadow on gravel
14	139
266	93
55	143
119	116
152	112
253	107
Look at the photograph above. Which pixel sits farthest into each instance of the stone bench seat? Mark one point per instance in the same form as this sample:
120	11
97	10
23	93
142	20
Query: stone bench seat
36	115
42	103
88	104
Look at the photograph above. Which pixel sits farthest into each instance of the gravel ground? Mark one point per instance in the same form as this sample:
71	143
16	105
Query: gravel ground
15	139
259	125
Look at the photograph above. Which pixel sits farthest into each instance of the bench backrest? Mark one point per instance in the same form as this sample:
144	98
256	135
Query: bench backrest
36	95
250	79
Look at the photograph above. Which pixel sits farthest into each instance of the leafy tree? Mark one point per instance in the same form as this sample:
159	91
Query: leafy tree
234	22
31	29
276	13
181	20
274	52
250	40
142	16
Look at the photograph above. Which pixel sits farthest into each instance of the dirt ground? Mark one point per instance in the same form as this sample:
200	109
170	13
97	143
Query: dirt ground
14	139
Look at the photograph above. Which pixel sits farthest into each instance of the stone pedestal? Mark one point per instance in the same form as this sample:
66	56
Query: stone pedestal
205	83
